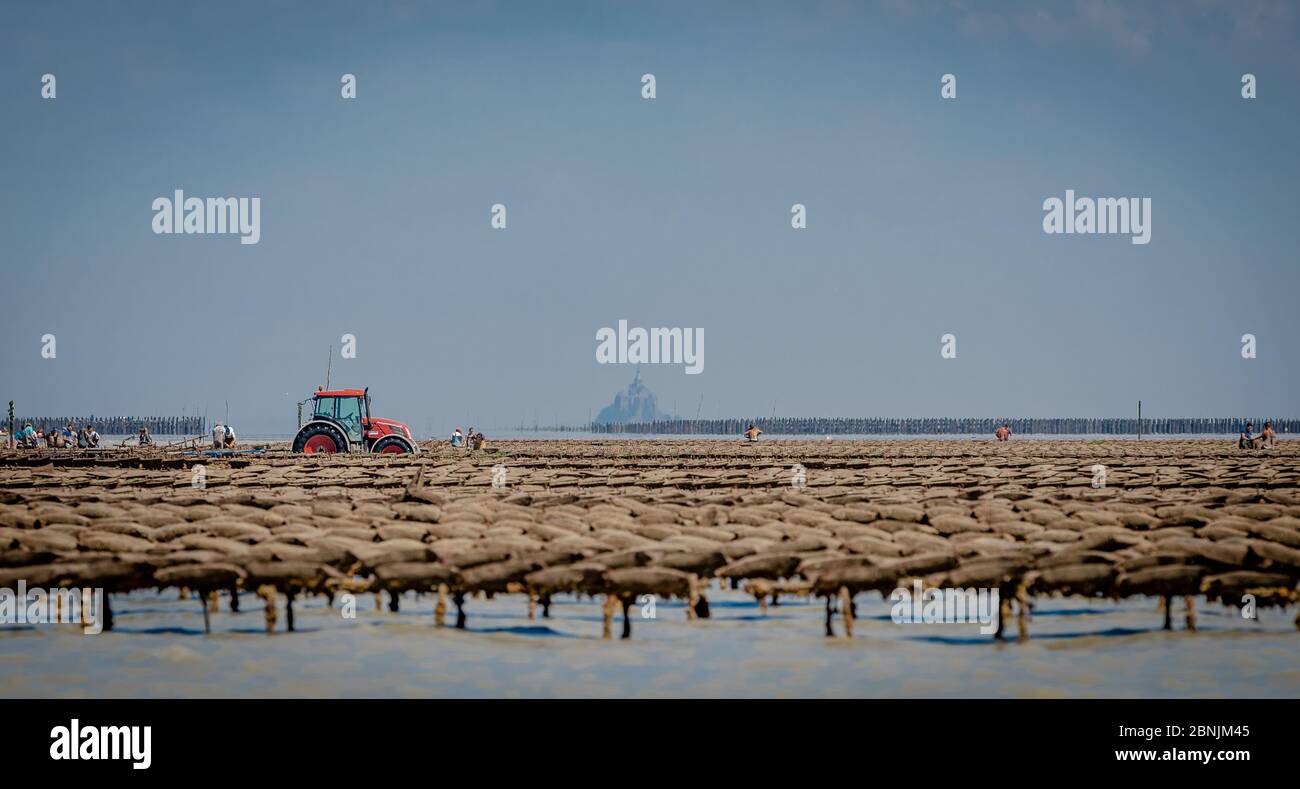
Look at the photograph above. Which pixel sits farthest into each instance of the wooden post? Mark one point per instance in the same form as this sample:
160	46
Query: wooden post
607	627
267	593
846	610
440	610
458	598
1022	612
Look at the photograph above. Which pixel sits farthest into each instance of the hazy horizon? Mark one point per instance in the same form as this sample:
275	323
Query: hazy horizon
924	215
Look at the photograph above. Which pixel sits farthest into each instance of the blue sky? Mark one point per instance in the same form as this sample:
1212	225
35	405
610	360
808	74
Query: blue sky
924	215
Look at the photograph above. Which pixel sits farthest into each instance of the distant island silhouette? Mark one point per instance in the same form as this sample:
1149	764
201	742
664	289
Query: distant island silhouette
636	404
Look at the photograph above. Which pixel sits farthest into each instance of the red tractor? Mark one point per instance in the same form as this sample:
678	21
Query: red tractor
341	422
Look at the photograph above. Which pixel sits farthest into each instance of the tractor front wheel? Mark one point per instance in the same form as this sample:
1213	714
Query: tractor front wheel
390	445
315	439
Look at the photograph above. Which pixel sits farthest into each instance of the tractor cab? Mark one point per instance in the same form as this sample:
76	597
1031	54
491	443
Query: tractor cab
349	407
341	422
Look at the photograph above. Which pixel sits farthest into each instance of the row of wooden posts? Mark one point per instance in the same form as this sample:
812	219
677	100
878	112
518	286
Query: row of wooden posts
121	425
980	426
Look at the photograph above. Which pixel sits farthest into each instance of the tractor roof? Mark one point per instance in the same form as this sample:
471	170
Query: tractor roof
340	393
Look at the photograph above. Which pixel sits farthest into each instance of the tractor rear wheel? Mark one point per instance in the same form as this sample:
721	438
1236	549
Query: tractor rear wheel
316	439
390	445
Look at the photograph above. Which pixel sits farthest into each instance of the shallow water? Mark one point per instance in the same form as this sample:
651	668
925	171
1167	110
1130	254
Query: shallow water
1078	648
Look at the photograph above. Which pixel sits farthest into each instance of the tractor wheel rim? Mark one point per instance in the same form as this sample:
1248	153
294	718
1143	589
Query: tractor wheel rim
392	449
320	443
